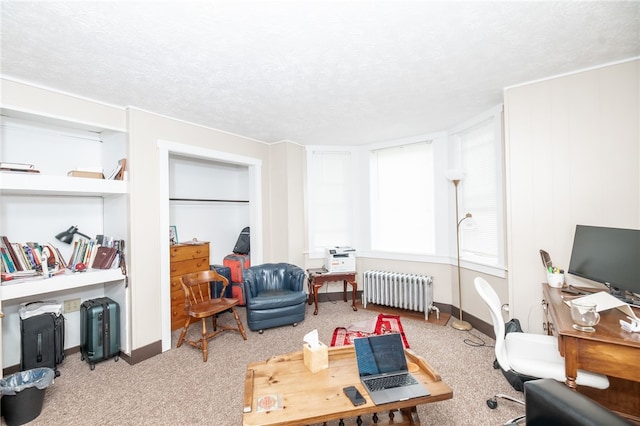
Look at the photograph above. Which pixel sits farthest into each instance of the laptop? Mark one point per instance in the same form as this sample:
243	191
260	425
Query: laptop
383	371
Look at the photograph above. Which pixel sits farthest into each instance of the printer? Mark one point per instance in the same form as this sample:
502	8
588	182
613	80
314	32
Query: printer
340	259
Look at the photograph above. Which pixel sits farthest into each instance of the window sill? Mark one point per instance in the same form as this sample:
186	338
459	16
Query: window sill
493	270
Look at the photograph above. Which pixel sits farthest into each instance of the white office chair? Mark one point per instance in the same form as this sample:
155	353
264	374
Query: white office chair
527	356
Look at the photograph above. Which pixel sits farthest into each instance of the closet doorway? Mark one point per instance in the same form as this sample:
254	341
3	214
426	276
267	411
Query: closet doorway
206	194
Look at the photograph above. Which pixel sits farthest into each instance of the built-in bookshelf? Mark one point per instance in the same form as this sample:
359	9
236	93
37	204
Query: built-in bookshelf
38	286
37	206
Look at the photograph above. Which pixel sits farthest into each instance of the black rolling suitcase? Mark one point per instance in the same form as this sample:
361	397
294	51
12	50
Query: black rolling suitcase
42	341
216	286
243	245
99	330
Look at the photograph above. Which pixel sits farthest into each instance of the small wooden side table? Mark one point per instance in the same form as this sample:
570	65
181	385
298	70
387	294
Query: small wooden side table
317	278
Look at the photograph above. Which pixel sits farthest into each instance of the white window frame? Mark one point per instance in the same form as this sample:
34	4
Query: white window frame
497	266
446	156
313	250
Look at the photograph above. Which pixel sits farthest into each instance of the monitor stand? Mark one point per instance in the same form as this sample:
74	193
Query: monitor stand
623	295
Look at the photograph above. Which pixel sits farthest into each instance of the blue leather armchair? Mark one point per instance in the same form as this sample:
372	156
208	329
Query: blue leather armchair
274	294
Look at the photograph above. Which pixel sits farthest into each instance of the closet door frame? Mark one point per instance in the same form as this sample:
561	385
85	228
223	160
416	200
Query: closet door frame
165	150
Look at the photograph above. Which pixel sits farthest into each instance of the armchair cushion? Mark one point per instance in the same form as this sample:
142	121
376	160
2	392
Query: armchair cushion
274	295
273	299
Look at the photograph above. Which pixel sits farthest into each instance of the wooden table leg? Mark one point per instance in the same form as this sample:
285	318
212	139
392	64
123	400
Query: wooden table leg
310	288
571	361
354	284
412	413
315	297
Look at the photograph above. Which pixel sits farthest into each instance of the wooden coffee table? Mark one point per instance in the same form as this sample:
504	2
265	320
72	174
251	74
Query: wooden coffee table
306	398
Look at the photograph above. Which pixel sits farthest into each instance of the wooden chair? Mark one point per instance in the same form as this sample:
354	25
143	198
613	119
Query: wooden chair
199	304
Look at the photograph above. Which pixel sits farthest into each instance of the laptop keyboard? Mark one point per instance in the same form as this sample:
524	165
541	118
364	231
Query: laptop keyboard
389	382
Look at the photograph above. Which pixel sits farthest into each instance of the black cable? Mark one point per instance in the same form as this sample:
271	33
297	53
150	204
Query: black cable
476	344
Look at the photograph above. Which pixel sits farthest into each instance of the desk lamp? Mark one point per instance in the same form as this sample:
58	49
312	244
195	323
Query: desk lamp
67	236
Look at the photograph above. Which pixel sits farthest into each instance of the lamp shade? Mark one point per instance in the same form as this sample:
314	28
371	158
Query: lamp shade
454	174
67	236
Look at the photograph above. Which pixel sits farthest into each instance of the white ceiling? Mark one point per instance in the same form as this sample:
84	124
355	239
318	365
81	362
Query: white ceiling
312	72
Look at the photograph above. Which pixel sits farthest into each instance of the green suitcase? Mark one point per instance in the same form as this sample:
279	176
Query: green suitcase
99	330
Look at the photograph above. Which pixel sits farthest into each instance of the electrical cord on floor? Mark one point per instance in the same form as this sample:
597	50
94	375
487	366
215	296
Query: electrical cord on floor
477	343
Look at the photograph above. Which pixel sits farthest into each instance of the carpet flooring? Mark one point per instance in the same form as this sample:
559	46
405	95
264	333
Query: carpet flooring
177	388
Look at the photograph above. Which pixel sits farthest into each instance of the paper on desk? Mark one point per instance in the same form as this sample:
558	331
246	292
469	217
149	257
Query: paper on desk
605	301
312	339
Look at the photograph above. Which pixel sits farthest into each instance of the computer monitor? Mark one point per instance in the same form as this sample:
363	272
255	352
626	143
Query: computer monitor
610	256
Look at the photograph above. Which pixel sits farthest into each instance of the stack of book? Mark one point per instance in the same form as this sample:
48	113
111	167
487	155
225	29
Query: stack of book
18	167
94	174
25	259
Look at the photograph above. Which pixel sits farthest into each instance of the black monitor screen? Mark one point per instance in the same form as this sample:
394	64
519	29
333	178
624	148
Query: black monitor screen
607	255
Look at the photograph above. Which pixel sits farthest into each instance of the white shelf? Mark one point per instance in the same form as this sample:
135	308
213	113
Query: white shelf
39	184
20	288
34	204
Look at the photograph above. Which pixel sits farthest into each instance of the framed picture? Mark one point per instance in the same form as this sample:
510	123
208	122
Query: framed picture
173	235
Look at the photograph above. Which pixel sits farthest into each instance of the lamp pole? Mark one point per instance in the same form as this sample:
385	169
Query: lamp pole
459	324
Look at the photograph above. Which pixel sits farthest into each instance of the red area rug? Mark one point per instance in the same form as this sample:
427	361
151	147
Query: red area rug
343	336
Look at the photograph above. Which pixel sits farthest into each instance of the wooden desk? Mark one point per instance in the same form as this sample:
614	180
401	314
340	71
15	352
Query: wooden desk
317	280
318	397
609	350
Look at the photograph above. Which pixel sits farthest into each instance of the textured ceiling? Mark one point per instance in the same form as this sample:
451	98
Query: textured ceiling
312	72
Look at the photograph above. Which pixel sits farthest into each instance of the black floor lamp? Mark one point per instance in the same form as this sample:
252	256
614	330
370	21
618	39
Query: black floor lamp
456	176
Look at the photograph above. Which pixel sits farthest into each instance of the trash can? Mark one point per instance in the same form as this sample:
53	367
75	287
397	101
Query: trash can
23	394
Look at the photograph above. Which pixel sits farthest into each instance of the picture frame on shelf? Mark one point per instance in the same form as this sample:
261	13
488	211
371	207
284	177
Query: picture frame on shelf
173	235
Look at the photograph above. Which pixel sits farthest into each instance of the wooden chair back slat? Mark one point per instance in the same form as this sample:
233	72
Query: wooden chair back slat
197	287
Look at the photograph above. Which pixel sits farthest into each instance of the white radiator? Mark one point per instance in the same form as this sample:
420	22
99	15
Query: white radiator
399	290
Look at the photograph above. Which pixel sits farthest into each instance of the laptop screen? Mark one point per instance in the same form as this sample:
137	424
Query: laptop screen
380	354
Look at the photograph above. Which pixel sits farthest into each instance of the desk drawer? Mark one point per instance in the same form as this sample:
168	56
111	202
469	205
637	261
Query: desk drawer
176	285
184	252
178	269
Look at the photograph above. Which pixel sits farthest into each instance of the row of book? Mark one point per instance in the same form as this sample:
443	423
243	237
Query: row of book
101	253
27	258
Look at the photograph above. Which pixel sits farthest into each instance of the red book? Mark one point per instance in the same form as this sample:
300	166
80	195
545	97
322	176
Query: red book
104	257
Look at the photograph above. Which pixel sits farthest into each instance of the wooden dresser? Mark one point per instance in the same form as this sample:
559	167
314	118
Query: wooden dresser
184	259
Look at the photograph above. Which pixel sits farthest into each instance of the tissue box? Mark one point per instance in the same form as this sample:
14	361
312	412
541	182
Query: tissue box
315	359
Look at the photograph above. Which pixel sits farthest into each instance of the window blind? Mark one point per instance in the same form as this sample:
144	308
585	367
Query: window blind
402	212
478	192
330	197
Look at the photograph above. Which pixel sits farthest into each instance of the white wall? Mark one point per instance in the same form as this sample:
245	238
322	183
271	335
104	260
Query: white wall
146	248
573	157
216	207
286	236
